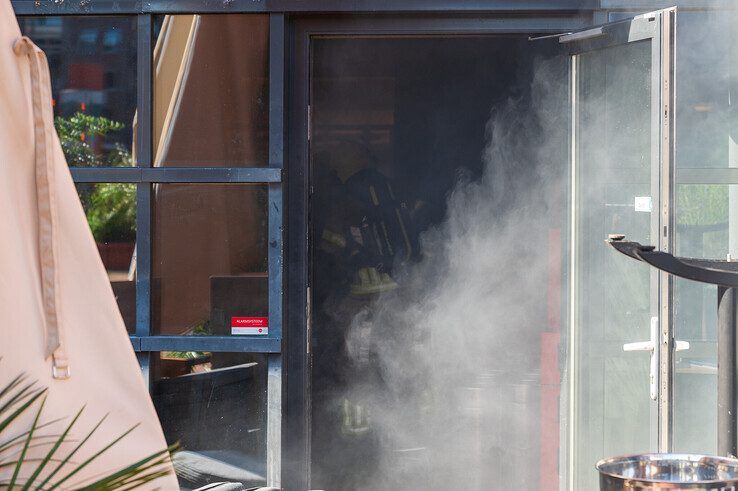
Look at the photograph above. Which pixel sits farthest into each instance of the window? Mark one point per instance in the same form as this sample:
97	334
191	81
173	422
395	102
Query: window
705	209
111	214
94	93
177	161
215	406
221	274
211	95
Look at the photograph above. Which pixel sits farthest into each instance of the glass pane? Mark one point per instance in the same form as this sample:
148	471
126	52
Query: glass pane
210	259
92	61
211	91
707	81
425	374
611	293
704	214
111	214
214	405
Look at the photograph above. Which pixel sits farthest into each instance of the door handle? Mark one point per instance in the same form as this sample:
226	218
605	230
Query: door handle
639	346
650	346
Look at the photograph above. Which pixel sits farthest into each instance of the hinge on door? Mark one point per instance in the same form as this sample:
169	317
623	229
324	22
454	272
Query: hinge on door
310	122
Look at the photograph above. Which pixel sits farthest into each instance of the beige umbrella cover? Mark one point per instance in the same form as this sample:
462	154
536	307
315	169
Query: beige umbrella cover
59	322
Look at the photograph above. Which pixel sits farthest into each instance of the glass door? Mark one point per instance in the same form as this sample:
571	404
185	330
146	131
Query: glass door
617	155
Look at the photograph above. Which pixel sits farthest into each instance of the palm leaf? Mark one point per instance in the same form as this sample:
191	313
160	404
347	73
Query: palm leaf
138	471
92	458
19	464
142	480
33	445
13	383
16	440
17	397
52	451
27	402
13	463
71	454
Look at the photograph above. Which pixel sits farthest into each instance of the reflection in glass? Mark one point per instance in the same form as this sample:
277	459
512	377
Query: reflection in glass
92	61
111	215
703	216
211	95
214	405
707	79
209	257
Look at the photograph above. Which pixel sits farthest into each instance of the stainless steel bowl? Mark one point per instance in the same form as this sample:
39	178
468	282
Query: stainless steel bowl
665	472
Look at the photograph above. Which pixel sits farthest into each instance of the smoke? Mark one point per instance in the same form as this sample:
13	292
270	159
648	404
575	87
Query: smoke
456	347
450	362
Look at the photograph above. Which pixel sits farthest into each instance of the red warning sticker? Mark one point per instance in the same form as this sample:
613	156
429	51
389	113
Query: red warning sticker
250	325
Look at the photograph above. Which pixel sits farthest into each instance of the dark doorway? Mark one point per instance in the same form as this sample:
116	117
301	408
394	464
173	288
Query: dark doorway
395	124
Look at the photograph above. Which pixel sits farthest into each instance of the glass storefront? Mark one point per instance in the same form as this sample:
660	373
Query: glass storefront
462	320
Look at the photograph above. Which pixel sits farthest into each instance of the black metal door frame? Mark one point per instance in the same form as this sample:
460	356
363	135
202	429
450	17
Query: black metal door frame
296	409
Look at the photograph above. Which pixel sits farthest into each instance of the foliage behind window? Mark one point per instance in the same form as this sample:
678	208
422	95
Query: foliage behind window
82	139
110	208
111	212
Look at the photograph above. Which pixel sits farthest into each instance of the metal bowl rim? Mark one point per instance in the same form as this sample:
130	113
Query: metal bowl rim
672	456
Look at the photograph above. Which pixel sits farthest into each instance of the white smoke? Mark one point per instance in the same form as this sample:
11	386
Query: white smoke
457	345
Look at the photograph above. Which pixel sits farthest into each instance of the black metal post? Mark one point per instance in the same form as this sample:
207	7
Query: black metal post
727	376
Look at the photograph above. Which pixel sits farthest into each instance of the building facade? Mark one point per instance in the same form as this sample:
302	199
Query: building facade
360	244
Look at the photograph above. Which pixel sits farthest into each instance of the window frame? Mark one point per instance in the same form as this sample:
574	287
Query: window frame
143	174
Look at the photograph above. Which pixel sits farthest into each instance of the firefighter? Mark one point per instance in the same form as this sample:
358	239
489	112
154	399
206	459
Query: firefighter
363	231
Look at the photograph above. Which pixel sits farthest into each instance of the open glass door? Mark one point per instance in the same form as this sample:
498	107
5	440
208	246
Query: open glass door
619	149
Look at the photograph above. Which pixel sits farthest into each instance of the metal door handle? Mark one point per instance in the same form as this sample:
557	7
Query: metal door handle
639	346
650	346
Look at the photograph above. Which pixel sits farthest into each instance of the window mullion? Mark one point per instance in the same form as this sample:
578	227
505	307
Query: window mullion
142	151
275	249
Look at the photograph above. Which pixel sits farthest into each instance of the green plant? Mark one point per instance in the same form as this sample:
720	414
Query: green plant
110	208
56	469
184	355
77	134
111	212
